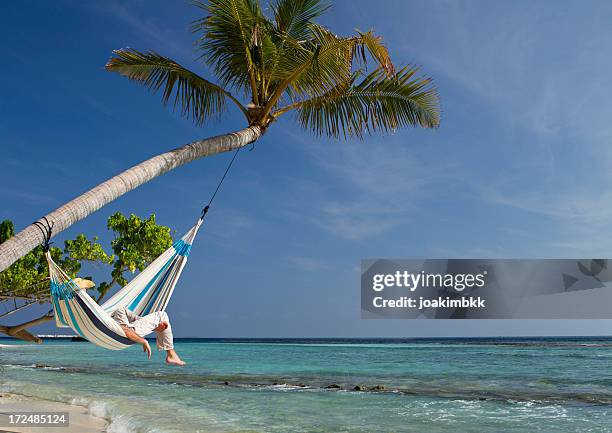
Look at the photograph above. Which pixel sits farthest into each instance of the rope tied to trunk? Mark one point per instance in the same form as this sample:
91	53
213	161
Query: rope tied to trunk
46	229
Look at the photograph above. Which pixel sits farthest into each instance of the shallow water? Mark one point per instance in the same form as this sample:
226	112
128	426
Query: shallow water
547	385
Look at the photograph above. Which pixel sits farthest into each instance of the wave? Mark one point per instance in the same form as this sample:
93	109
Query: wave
117	422
508	389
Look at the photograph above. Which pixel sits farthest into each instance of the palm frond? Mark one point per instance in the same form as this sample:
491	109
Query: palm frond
377	103
294	18
327	65
228	34
369	43
328	61
287	59
313	69
195	96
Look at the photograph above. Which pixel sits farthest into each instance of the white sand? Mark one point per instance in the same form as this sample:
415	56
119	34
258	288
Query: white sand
80	420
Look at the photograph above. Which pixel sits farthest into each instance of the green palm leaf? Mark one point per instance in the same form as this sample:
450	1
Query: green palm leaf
294	18
377	103
229	33
284	61
326	62
196	97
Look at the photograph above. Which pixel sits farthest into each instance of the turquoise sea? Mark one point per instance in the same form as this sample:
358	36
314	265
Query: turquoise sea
421	386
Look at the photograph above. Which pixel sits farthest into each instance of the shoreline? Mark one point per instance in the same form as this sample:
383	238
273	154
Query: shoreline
81	420
377	387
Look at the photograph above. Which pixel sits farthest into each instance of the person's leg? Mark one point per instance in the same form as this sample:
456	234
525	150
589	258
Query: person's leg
159	323
165	340
172	358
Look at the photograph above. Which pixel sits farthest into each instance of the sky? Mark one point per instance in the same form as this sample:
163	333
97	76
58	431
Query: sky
519	167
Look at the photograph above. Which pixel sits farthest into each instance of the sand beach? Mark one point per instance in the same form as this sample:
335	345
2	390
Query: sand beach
81	421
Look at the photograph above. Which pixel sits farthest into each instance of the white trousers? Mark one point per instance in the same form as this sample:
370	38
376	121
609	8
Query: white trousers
145	325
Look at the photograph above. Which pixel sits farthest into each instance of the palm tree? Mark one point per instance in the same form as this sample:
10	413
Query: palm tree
278	63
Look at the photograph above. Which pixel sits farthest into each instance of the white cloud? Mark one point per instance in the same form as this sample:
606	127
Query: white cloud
310	264
545	72
150	28
523	59
367	188
30	197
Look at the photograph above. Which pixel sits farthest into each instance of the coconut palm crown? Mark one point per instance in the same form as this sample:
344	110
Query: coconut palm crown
285	61
267	65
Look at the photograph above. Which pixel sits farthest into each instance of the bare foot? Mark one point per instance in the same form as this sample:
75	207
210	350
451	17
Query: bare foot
174	360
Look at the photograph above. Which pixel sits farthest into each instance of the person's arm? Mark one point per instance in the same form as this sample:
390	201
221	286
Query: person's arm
129	333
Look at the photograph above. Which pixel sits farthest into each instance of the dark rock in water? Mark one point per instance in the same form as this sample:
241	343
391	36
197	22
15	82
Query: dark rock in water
332	386
378	388
41	365
275	383
226	383
360	388
301	385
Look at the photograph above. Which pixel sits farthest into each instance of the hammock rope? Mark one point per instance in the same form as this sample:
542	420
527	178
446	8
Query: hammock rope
148	292
214	194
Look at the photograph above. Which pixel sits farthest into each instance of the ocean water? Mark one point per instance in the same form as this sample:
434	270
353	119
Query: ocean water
525	385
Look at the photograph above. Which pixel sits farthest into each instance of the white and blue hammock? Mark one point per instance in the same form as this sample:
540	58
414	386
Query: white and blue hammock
148	292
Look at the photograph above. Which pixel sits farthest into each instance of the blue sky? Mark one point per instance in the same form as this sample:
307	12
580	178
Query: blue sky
518	169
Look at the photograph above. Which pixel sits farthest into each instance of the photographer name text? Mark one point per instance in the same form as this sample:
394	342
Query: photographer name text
452	284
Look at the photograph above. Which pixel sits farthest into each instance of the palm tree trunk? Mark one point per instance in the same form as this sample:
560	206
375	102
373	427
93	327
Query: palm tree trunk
20	332
89	202
22	335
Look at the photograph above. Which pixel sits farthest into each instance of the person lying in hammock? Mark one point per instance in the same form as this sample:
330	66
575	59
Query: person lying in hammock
136	328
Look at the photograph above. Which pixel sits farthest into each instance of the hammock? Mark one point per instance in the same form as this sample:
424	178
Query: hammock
148	292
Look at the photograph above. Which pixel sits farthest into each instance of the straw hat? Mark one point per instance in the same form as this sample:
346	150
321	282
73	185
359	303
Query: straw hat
84	284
